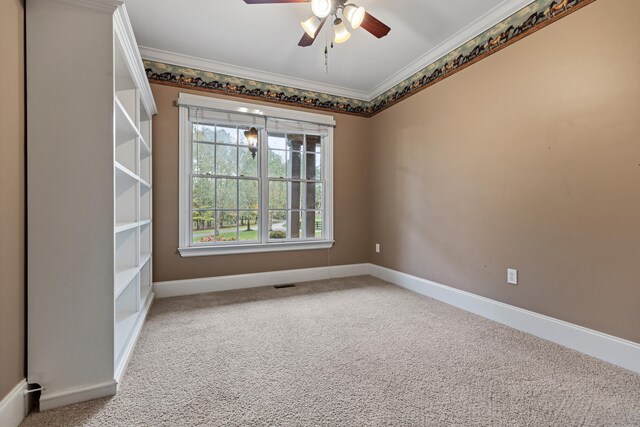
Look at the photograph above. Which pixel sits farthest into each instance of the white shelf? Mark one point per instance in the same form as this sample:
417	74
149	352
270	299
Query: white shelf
127	172
123	279
125	127
124	226
144	258
144	183
145	151
124	170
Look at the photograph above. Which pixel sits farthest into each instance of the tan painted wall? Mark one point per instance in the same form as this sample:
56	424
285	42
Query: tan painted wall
529	159
350	204
11	194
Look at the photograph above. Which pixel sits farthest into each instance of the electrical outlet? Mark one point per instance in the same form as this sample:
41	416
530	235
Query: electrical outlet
377	248
512	276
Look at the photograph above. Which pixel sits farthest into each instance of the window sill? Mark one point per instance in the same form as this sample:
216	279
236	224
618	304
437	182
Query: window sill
254	248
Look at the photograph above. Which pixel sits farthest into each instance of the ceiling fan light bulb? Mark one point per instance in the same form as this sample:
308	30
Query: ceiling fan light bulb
342	34
321	8
354	14
311	26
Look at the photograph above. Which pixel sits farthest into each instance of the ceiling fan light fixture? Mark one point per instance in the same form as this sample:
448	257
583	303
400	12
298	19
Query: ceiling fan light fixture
321	8
311	26
342	34
354	14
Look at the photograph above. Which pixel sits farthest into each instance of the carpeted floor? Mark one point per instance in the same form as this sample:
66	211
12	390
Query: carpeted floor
348	352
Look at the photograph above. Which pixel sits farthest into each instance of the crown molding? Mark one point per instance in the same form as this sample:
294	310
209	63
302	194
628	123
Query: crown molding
124	33
187	61
477	27
101	5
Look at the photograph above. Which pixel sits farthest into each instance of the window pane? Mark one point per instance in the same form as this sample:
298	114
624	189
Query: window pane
226	160
277	164
242	140
248	194
248	161
249	230
295	142
227	226
277	141
203	159
227	186
319	224
227	194
203	226
314	166
203	193
314	224
227	135
295	224
314	196
277	194
277	224
314	143
204	133
294	165
295	195
248	165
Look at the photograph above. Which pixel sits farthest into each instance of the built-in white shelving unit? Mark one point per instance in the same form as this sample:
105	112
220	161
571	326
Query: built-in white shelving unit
132	231
90	197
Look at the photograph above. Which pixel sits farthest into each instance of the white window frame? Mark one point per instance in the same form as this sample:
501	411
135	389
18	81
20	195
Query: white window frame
186	248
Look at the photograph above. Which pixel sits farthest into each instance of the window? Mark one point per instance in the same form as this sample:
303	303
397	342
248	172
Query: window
239	198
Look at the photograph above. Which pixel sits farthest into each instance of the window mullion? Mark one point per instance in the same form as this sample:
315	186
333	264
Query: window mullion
215	186
238	184
263	174
303	186
190	189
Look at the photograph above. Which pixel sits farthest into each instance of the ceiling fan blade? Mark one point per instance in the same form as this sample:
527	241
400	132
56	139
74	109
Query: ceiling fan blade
374	26
275	1
307	40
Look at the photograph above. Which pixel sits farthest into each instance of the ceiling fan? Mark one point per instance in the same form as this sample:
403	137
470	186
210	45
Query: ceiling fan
322	9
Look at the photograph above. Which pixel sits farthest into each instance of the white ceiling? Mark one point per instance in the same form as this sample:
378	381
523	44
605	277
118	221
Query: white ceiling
261	41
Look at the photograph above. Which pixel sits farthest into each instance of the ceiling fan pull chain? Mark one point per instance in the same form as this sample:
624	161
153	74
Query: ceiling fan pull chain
326	58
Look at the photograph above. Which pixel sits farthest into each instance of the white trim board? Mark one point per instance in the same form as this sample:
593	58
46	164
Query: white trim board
255	280
471	31
107	388
13	406
77	394
614	350
202	64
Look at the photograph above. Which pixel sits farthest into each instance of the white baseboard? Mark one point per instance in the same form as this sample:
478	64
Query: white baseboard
107	388
611	349
77	394
13	407
254	280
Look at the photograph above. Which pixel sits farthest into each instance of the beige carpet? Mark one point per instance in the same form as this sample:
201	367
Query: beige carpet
348	352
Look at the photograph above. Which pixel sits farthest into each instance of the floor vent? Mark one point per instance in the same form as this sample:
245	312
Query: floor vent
290	285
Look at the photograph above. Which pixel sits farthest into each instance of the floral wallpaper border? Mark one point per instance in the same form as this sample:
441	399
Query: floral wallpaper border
526	21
